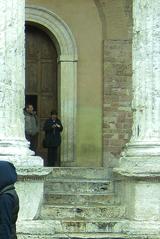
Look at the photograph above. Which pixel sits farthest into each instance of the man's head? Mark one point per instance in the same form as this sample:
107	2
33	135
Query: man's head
8	174
53	114
29	108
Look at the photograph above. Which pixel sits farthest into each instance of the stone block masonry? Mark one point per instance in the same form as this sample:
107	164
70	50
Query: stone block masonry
117	122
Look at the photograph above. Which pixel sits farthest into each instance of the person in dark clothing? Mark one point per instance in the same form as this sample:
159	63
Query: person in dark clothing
53	128
9	201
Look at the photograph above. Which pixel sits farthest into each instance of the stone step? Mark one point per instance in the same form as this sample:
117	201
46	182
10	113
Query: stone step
69	212
79	172
81	236
78	186
80	199
50	227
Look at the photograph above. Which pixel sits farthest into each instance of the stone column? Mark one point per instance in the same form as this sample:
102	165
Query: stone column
13	145
140	161
144	146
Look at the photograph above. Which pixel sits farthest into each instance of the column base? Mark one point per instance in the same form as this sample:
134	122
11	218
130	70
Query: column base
17	151
15	147
140	159
144	166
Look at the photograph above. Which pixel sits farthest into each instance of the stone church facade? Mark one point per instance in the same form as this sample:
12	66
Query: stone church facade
103	57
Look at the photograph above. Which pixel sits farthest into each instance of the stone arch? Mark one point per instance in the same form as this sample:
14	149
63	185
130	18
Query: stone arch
67	69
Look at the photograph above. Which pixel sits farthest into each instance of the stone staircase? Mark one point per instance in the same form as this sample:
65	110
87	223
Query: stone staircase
78	203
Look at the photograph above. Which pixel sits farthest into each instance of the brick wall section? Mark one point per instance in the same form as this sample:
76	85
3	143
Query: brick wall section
117	123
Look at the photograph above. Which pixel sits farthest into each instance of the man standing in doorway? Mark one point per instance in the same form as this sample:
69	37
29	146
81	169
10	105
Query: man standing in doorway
31	126
53	128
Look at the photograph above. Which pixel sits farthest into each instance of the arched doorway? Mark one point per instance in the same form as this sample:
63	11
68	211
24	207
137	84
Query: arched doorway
41	77
66	47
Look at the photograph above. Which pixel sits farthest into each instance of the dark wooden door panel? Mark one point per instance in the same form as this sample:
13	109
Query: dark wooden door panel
41	76
47	103
48	72
32	75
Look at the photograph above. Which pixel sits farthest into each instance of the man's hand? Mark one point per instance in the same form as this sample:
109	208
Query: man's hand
58	125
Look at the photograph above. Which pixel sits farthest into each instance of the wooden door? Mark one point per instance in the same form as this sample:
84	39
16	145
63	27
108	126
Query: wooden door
41	77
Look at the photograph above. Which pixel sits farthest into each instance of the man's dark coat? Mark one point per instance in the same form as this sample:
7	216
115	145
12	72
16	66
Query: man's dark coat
52	135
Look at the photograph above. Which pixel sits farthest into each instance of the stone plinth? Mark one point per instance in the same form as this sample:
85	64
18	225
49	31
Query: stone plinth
30	191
